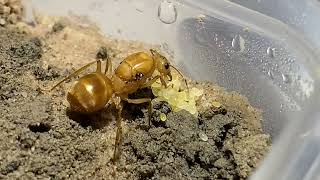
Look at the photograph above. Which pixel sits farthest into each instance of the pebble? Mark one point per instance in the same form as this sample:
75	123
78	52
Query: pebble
246	29
10	11
13	1
203	136
4	10
13	18
220	163
200	18
24	94
2	22
3	2
17	9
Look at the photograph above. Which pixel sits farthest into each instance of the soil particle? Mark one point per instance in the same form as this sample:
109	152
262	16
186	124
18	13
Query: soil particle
10	167
27	52
41	139
58	26
49	73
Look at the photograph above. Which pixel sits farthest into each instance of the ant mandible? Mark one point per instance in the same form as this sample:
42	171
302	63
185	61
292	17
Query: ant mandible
93	91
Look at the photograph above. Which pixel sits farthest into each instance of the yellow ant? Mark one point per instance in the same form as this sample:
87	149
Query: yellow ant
93	91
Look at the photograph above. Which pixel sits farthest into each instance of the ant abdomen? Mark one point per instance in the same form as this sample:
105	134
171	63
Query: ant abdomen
90	93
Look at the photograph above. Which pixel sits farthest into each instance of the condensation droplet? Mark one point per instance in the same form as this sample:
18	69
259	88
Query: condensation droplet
203	136
281	107
238	43
285	78
271	52
298	77
270	74
167	12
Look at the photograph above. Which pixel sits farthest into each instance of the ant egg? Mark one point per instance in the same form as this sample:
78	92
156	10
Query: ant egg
163	117
216	104
203	136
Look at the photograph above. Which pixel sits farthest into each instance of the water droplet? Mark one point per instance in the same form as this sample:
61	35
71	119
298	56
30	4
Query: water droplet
271	52
246	29
281	107
285	78
167	12
304	15
238	43
298	77
203	136
270	74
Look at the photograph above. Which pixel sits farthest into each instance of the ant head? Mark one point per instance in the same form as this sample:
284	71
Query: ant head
163	66
162	63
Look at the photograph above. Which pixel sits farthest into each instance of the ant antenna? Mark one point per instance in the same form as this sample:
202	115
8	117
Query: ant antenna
74	74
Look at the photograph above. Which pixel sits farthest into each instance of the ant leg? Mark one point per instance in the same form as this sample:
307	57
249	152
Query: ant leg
98	66
163	82
140	101
116	152
149	83
108	66
71	75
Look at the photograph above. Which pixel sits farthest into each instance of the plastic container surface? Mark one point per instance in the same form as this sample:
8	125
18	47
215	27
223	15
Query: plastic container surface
266	50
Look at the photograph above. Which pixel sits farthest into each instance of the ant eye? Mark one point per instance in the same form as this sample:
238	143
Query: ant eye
166	66
138	76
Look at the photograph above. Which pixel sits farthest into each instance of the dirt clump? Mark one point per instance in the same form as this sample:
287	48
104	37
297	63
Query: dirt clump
175	149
